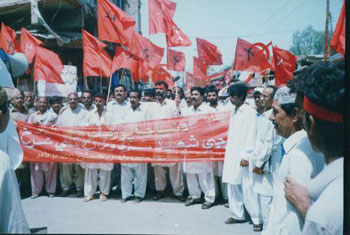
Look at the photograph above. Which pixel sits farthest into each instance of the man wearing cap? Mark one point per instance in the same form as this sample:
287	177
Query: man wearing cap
12	219
199	175
97	174
19	111
299	162
321	202
43	173
166	108
239	151
75	115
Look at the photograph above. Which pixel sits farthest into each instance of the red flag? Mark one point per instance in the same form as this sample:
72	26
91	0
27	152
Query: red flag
96	61
28	44
249	57
160	73
283	63
114	25
146	50
199	69
189	81
175	60
208	52
47	66
176	37
338	38
124	59
8	41
160	14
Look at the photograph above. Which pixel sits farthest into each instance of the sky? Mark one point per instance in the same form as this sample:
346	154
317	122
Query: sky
222	21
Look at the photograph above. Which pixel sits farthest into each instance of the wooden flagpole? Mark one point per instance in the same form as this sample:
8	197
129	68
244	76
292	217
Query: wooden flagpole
326	34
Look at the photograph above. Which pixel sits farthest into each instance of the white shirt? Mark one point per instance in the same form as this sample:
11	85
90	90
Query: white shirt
240	142
325	215
302	164
198	167
76	117
115	112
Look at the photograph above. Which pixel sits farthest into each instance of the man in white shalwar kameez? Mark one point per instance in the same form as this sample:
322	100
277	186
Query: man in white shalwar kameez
97	174
134	173
199	175
43	173
239	152
75	115
321	204
299	162
12	218
166	108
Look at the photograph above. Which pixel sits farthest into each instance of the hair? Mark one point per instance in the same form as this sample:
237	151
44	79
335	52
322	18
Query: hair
161	82
233	80
3	100
99	95
87	91
139	94
120	85
71	93
182	95
212	88
150	92
199	89
45	97
324	85
273	88
238	89
54	99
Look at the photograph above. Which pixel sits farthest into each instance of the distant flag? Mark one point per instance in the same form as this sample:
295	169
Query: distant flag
208	52
175	60
249	57
8	41
176	38
189	81
199	69
114	25
338	38
146	50
283	63
28	44
96	61
160	14
47	66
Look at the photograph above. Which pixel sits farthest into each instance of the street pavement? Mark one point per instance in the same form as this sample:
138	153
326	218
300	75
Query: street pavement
166	216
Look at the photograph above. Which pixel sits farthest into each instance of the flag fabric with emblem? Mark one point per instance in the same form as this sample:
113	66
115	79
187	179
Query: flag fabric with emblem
114	25
283	63
175	60
160	14
8	41
146	50
160	73
96	61
47	66
124	59
208	52
28	44
176	38
199	69
338	38
248	57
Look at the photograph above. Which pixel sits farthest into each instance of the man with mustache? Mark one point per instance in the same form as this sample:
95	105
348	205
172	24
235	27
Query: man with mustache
166	108
199	175
86	99
29	101
74	115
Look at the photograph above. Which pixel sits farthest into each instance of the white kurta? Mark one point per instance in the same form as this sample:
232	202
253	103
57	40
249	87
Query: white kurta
302	164
115	112
76	117
326	214
12	218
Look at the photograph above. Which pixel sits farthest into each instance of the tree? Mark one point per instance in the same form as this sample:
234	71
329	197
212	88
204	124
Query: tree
308	42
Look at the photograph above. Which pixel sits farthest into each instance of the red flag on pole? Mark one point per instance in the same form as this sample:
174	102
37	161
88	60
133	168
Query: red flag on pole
249	57
199	69
189	81
47	66
114	25
160	14
175	60
283	63
96	61
160	73
338	38
28	44
146	50
208	52
8	41
176	38
124	59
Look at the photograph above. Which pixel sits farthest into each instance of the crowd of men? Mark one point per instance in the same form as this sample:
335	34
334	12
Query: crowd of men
283	167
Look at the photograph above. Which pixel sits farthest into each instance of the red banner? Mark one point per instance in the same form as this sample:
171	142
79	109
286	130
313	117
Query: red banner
192	138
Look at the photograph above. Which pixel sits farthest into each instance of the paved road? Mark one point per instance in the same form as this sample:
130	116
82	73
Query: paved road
167	216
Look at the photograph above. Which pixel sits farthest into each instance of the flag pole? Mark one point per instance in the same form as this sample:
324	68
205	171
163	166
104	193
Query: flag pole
326	34
109	88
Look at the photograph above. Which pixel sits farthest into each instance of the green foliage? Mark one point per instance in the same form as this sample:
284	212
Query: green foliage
308	42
